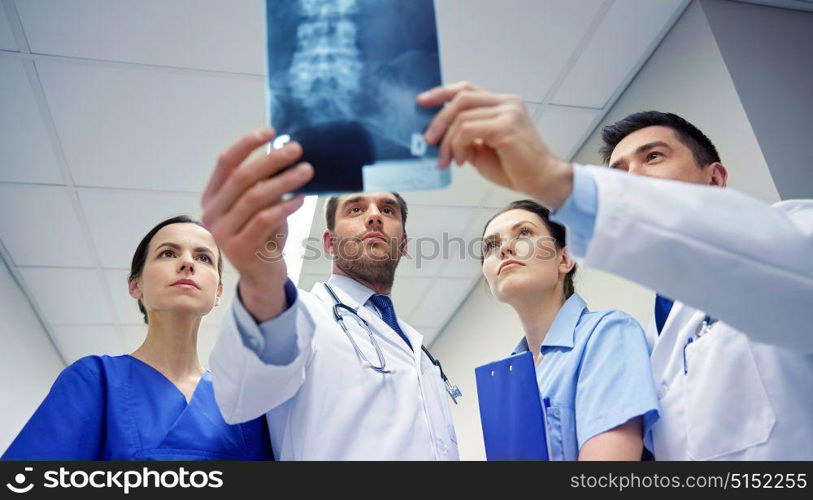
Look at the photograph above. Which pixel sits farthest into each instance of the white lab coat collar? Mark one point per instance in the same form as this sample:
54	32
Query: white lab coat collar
356	295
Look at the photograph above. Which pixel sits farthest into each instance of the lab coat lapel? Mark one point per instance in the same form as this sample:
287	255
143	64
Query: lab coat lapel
380	329
383	331
668	351
415	338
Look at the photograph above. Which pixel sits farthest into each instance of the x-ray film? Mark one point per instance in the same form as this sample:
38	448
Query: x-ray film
342	81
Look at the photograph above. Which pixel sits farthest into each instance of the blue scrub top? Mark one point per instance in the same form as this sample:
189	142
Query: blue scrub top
596	375
120	408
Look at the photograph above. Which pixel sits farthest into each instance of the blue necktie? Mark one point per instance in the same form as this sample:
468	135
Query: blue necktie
385	307
662	307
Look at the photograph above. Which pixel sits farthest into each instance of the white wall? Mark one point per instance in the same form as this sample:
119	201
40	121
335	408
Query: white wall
688	76
769	53
29	363
685	75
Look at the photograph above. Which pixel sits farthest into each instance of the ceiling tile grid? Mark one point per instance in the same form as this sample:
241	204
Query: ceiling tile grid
28	154
121	108
69	296
118	219
612	54
6	34
41	227
160	129
506	46
205	34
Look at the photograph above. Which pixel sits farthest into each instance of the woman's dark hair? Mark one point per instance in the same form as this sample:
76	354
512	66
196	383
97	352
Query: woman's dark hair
140	255
557	231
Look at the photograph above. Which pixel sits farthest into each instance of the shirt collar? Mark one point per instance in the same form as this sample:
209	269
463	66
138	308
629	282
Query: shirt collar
355	291
562	331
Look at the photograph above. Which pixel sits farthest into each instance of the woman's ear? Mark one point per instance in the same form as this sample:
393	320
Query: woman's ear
566	262
719	175
404	243
329	242
134	287
219	293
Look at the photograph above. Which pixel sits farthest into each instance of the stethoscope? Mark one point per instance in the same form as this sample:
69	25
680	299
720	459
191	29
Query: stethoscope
340	310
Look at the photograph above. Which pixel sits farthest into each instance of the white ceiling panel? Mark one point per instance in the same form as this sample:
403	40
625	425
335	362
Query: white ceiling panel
441	301
468	189
469	266
27	152
500	197
119	219
135	128
434	234
564	129
509	46
68	296
629	31
40	227
78	341
407	292
207	34
6	35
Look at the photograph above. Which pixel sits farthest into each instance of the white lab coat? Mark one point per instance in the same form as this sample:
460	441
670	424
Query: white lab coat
325	405
744	389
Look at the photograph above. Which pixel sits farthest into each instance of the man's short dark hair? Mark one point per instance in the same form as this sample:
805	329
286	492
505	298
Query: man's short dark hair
333	203
701	147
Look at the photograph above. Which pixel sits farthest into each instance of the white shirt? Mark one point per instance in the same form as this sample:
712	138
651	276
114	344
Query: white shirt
321	402
743	390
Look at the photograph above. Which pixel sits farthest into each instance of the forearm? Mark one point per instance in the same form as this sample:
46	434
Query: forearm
717	250
256	367
263	301
623	443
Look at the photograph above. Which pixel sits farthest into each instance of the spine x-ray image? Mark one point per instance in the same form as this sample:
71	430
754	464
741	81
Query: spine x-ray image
342	81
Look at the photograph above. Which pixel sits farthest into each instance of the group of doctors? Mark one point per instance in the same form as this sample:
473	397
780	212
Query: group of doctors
722	371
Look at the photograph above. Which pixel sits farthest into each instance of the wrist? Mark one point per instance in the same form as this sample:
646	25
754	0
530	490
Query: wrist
557	185
263	299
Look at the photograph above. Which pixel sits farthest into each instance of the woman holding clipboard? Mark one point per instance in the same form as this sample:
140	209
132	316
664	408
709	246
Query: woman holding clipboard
591	368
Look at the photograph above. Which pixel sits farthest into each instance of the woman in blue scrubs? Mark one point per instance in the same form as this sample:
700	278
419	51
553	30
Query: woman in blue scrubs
156	403
592	368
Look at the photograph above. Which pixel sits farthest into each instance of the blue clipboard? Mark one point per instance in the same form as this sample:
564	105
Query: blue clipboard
511	411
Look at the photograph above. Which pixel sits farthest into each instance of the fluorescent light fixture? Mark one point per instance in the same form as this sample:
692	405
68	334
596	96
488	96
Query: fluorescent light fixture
299	229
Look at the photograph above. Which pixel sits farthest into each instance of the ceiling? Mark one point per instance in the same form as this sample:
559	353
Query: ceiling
112	115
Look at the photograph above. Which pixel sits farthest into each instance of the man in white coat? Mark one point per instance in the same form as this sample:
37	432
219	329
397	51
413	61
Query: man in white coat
733	360
364	393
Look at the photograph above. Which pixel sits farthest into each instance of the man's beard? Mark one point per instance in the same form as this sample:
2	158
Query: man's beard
376	270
